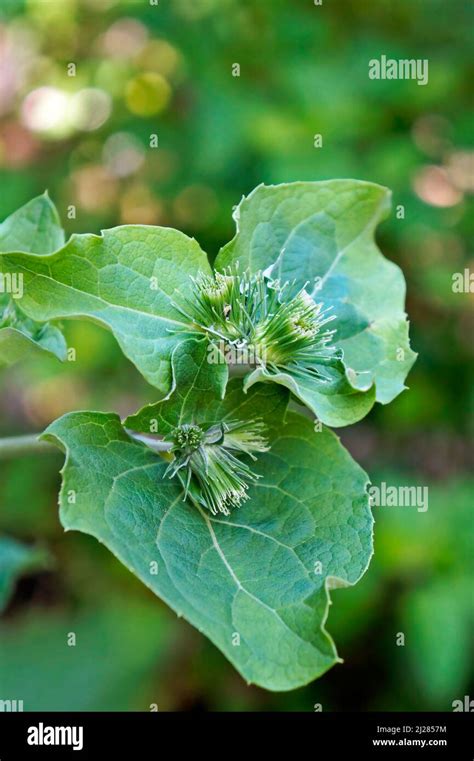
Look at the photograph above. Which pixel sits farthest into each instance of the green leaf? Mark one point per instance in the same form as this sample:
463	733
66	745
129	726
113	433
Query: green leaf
15	344
17	559
24	336
196	384
124	280
34	227
334	403
251	582
322	234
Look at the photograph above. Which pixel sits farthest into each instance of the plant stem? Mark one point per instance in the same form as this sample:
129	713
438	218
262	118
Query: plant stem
16	446
238	371
153	442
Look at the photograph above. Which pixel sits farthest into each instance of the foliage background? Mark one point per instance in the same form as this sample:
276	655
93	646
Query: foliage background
167	70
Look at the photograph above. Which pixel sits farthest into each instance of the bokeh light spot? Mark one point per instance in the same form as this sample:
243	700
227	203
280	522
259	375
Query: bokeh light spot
125	38
138	206
432	185
45	110
123	154
160	56
147	94
460	168
90	108
94	188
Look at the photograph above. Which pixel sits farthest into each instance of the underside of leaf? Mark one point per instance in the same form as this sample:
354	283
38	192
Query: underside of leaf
35	227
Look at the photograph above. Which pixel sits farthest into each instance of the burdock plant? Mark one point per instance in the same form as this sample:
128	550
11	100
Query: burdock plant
234	488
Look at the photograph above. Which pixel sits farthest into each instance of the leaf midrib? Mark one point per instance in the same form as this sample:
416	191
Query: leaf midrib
238	583
100	299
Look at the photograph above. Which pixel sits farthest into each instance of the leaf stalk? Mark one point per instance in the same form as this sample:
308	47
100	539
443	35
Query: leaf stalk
19	446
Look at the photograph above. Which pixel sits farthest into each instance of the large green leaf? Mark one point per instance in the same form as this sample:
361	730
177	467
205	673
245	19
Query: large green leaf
17	559
124	280
322	234
251	582
34	227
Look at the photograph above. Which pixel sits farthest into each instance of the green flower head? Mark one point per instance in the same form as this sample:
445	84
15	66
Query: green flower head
207	462
278	327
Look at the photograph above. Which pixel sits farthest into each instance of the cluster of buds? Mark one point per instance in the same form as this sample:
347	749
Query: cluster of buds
207	462
284	330
279	327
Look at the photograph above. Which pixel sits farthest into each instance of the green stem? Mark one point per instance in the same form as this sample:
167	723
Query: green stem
238	371
151	441
16	446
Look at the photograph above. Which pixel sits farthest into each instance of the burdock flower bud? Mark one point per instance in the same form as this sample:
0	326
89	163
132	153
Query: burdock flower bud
207	462
279	328
215	305
292	333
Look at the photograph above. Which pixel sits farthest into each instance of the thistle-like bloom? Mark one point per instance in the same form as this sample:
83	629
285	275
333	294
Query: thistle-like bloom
207	463
262	319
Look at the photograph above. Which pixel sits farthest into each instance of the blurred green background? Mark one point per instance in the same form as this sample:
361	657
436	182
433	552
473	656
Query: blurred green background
142	70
